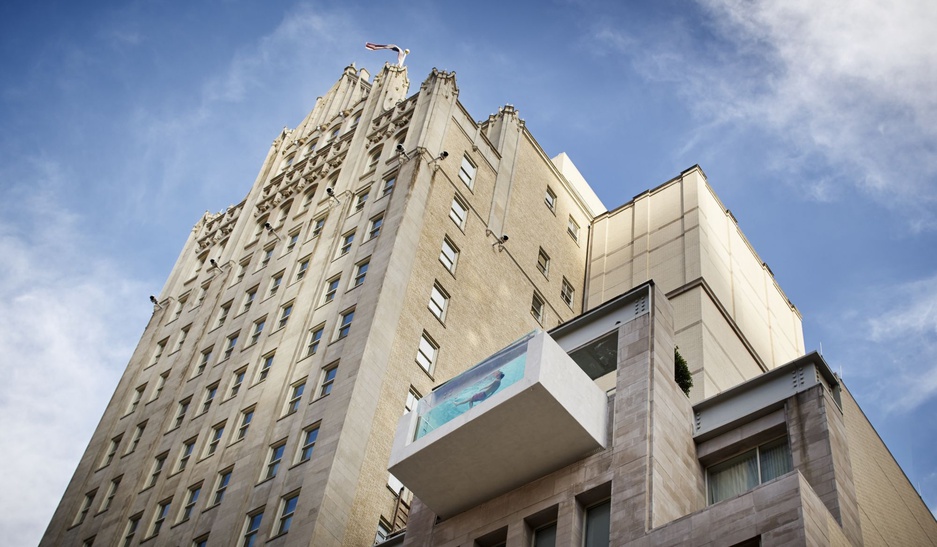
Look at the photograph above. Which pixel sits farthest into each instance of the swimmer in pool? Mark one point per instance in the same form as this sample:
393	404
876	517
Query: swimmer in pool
485	392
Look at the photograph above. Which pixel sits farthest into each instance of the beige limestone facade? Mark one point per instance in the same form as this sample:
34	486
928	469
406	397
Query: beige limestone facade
389	243
365	266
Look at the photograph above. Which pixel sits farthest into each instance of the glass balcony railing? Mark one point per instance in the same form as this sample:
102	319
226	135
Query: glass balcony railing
473	387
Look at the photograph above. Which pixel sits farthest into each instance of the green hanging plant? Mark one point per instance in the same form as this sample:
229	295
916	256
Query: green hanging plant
681	372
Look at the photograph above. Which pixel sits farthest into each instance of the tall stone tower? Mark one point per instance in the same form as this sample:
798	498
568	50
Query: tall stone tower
388	242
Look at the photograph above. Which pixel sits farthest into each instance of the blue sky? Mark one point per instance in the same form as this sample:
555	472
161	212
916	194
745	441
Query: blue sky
816	124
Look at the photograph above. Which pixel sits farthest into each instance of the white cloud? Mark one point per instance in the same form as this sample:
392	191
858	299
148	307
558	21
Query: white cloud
891	350
853	80
64	327
847	87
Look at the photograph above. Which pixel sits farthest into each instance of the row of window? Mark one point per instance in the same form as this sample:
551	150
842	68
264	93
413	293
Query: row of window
272	466
251	528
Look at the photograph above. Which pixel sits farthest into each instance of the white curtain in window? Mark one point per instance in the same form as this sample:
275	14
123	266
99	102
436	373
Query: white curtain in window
733	477
775	459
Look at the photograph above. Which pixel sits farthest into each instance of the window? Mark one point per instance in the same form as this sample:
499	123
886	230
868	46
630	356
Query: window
344	326
132	524
260	227
467	171
309	443
543	263
331	287
216	433
388	186
85	506
347	240
449	254
312	147
285	312
288	508
252	527
158	352
221	485
158	464
438	302
273	462
249	299
180	412
229	346
109	497
336	132
111	451
201	541
179	305
268	254
210	393
573	228
160	384
88	542
288	162
315	336
373	160
236	380
203	359
412	398
748	470
185	454
361	270
135	440
135	399
162	510
383	530
328	379
545	536
190	500
293	240
317	226
284	212
458	212
265	368
374	229
275	284
246	417
202	293
394	484
536	307
308	198
361	199
223	314
567	292
242	270
550	199
303	267
296	396
183	332
258	330
597	525
426	353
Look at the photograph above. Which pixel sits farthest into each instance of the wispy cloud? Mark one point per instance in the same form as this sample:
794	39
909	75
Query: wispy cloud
64	334
891	353
845	86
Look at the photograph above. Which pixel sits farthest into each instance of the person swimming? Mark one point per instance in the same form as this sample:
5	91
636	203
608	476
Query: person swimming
485	392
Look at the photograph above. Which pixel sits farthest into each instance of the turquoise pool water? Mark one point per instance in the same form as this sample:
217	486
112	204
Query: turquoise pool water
472	388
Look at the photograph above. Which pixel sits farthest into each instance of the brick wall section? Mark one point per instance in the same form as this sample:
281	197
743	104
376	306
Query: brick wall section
890	510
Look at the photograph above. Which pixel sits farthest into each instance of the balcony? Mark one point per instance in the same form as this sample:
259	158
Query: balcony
522	413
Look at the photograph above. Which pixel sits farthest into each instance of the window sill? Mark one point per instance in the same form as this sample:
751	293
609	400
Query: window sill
266	480
297	464
278	536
